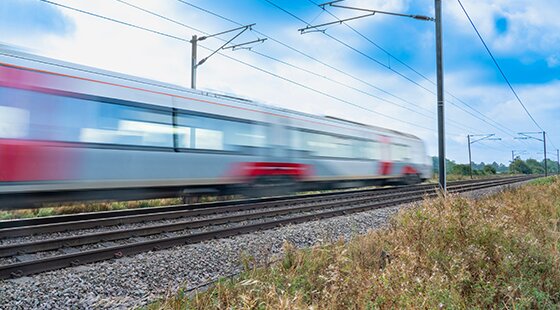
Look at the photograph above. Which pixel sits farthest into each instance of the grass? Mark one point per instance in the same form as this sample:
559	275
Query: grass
544	181
59	209
453	253
96	206
459	177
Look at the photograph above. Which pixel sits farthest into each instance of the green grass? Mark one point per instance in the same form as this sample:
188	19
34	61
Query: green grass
453	253
544	181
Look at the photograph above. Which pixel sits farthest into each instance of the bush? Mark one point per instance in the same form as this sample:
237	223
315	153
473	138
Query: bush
448	253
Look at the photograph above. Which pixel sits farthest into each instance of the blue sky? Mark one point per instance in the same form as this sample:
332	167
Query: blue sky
523	35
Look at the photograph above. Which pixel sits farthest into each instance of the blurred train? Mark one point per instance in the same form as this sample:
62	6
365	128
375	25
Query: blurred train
69	132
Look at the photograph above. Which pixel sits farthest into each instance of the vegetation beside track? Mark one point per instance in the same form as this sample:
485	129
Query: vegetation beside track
499	252
73	208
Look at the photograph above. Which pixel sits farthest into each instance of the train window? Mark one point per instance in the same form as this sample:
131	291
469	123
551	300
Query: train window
208	139
400	152
14	122
119	124
184	137
68	119
218	134
325	145
245	134
370	150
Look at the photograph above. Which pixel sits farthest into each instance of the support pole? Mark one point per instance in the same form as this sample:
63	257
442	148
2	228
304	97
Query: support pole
557	161
544	141
194	63
470	161
440	100
512	157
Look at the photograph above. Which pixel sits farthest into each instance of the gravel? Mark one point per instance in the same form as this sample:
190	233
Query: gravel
135	281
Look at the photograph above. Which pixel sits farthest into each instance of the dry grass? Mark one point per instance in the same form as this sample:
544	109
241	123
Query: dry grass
96	206
72	208
500	252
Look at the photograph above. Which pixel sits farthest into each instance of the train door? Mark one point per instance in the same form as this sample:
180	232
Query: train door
385	162
279	140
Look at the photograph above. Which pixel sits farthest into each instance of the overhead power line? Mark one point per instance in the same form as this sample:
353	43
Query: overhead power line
338	70
452	123
507	130
116	21
239	61
273	58
304	54
498	66
231	58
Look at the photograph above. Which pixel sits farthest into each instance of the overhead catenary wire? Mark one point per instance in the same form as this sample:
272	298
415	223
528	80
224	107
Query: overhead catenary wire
117	21
311	57
201	31
184	40
273	58
304	54
354	49
498	66
276	59
507	130
369	57
239	61
452	122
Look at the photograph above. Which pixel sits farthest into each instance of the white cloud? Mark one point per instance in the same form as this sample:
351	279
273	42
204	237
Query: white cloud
531	27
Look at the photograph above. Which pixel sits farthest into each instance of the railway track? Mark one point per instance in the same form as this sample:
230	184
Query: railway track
196	222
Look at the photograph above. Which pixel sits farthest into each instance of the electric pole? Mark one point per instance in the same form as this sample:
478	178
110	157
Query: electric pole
194	63
194	44
440	99
557	162
483	137
470	161
527	135
545	165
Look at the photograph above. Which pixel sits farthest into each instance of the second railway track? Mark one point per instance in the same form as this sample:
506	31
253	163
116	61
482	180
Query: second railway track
216	222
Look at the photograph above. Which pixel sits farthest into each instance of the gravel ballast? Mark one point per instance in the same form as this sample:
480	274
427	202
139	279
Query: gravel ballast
137	280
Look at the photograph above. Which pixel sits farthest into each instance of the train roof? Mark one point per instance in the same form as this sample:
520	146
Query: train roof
24	55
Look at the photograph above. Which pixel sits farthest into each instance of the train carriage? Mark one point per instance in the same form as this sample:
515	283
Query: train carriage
69	132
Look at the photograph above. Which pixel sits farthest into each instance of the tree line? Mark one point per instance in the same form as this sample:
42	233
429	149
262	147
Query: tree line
518	166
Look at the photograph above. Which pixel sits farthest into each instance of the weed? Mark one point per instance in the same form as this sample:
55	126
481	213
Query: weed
450	252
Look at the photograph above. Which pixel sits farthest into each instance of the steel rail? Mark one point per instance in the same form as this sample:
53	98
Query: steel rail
17	228
54	244
66	260
168	215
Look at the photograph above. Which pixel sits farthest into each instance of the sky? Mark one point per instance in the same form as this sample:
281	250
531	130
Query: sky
377	70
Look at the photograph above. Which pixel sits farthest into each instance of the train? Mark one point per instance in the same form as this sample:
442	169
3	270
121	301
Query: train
72	133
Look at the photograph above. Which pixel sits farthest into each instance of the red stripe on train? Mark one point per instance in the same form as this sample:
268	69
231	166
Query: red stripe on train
250	170
409	170
385	167
22	160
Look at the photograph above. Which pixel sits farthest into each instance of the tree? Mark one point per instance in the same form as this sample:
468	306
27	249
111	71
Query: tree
489	169
460	170
519	166
535	166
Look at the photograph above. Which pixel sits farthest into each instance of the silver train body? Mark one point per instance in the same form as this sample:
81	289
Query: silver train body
69	132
